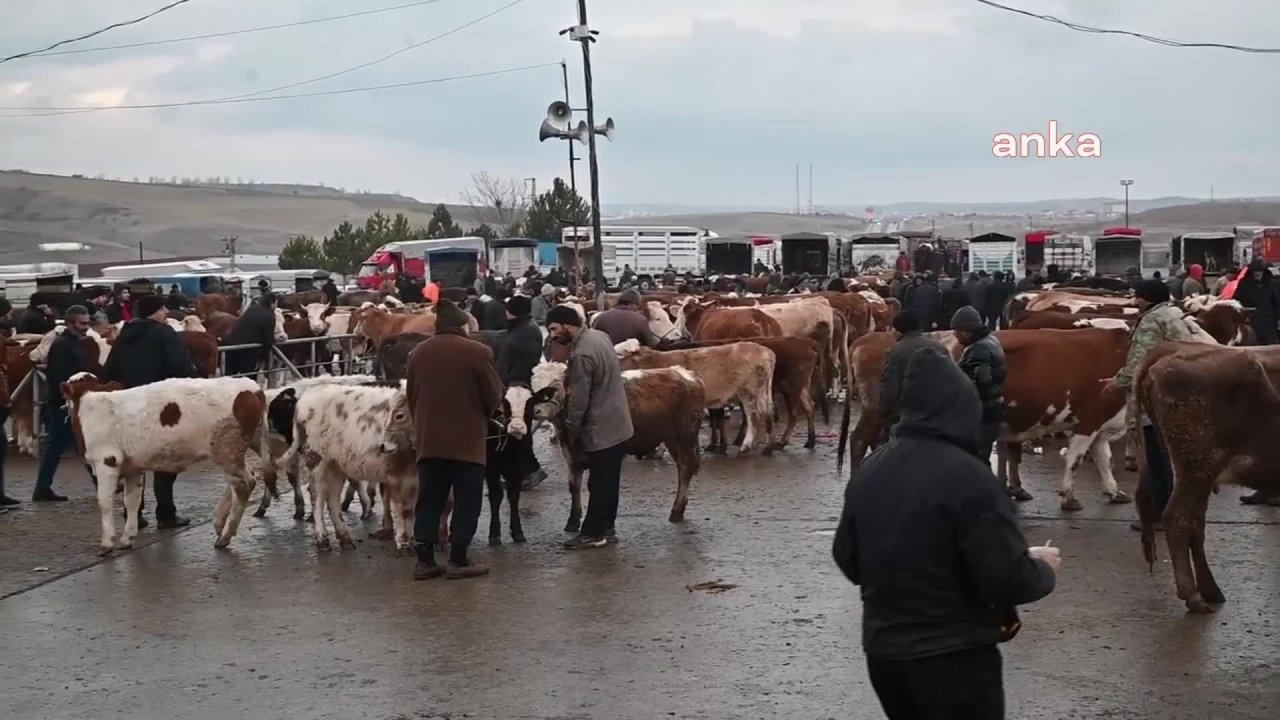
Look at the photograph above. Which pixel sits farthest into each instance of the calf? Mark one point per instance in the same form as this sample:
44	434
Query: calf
210	303
168	426
666	407
1218	413
338	434
393	355
737	372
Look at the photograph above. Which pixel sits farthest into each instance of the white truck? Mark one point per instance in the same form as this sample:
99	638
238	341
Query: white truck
871	253
1069	253
994	252
648	249
19	282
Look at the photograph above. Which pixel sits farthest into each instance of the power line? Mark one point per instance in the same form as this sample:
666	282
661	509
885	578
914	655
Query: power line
243	31
1167	42
86	36
318	93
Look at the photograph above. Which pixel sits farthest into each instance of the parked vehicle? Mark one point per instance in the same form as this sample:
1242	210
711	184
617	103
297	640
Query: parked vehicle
19	282
404	258
513	255
648	249
1119	249
871	253
818	254
994	252
1215	252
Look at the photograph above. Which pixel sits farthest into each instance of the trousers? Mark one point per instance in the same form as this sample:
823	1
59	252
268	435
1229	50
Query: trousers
964	685
604	482
57	439
436	478
1159	471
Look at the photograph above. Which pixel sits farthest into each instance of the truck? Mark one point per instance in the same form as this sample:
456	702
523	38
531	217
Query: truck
454	262
1119	249
513	255
1266	244
872	253
405	257
994	252
19	282
818	254
1215	252
648	249
729	255
1070	253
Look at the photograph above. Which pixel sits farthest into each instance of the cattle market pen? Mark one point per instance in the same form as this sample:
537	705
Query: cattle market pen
279	367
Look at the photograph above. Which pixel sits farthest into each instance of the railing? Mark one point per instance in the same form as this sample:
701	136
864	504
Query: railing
279	370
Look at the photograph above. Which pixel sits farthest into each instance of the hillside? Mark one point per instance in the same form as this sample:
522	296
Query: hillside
112	217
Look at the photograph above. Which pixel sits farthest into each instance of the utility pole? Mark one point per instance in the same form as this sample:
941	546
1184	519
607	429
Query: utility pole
586	39
229	247
139	252
797	188
1126	184
810	188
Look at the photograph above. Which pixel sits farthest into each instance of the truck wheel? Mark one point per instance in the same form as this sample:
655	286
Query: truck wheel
646	284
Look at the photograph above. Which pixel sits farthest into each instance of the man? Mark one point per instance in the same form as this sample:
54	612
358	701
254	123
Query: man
596	418
1258	290
910	341
453	390
983	362
926	300
996	297
542	304
932	542
1193	284
5	501
176	300
626	321
628	275
36	320
256	327
66	358
148	351
330	291
519	353
120	309
974	295
669	277
492	314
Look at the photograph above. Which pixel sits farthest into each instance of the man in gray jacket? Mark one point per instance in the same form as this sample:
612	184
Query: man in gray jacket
595	417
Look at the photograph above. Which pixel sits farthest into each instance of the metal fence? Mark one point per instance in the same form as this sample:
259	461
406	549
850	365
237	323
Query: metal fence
278	370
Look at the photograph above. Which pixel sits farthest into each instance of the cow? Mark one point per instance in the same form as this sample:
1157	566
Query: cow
393	355
203	349
300	354
1063	321
700	322
168	426
220	324
298	300
338	433
357	298
737	372
666	407
376	324
209	303
1229	322
1217	411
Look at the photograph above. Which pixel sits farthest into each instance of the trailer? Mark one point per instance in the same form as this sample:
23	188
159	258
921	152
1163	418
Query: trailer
19	282
819	254
871	253
648	249
729	255
1119	249
513	255
994	252
1266	244
1214	252
1069	253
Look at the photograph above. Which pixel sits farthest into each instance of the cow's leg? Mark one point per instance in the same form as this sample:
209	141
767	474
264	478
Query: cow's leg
1130	452
107	479
752	420
515	483
686	457
132	508
1207	585
792	403
1102	459
742	430
493	479
1077	446
716	415
575	498
242	483
319	499
299	505
349	494
24	433
407	491
263	504
221	510
334	506
388	529
366	500
1013	463
1180	516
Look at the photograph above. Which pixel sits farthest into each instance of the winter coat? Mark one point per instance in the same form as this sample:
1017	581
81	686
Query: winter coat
926	300
622	324
596	415
119	312
953	298
895	370
257	327
539	308
983	362
1264	298
453	389
1160	323
520	351
975	294
146	352
1191	286
66	358
996	297
34	322
493	315
927	532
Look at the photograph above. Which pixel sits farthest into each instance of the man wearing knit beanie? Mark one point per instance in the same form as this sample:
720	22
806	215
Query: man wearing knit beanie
910	341
983	362
453	390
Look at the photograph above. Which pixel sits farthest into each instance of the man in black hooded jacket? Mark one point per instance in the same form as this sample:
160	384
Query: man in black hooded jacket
1258	290
147	351
256	327
929	536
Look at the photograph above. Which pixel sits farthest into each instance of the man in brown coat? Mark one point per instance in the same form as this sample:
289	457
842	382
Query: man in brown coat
453	390
626	321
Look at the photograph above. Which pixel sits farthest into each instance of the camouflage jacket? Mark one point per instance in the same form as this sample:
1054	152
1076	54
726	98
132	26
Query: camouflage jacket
1160	323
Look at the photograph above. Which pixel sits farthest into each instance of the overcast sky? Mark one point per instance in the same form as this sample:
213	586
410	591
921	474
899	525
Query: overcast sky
715	100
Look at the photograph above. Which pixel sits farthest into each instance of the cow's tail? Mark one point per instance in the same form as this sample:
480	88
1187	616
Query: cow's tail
1142	496
287	459
270	469
844	434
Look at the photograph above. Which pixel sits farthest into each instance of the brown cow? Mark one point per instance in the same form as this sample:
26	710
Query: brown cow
220	324
699	322
18	364
1218	412
210	303
298	300
203	348
666	407
376	324
736	372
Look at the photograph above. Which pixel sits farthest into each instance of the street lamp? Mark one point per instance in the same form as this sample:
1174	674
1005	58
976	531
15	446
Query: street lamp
1126	184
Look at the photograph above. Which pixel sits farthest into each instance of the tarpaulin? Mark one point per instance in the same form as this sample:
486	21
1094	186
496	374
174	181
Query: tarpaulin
1229	290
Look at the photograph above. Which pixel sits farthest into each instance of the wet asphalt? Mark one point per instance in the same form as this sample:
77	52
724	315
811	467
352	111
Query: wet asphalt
272	629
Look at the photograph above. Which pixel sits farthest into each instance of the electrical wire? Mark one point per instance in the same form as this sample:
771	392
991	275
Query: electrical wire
86	36
1167	42
243	31
317	93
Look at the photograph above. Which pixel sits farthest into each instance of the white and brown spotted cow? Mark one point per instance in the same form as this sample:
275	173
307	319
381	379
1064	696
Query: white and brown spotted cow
168	426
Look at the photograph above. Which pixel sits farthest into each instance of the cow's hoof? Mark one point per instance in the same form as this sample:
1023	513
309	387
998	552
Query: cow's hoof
260	512
346	506
1070	504
1213	596
709	449
810	444
675	517
1020	494
347	543
311	517
518	538
1130	465
495	541
221	543
383	534
1197	605
366	515
300	516
1120	498
105	550
323	545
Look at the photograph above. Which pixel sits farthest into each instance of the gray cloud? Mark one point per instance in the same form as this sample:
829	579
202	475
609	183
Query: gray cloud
715	103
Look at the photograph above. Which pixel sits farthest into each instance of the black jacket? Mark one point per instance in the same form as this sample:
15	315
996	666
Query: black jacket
1264	298
493	315
330	292
928	533
895	369
147	352
34	322
176	301
256	326
953	298
520	351
997	295
975	294
66	358
983	362
926	300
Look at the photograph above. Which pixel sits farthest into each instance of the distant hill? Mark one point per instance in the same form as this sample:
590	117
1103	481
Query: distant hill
112	217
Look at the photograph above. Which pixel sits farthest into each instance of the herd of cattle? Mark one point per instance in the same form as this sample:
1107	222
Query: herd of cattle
718	353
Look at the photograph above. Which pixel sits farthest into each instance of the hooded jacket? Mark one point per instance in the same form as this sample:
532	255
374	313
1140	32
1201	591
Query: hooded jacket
927	532
520	352
146	352
983	361
895	370
1264	298
256	327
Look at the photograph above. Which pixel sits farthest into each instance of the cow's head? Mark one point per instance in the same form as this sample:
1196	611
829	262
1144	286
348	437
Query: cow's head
517	411
316	313
280	413
280	335
74	391
547	390
398	434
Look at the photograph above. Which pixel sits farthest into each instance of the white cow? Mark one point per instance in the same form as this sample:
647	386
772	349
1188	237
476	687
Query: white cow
168	426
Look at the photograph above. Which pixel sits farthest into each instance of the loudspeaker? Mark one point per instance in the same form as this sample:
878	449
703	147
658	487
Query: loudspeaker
606	129
559	115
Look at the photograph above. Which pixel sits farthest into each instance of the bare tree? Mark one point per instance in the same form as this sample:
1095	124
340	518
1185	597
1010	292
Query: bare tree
498	202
